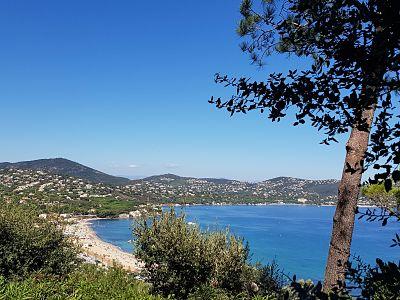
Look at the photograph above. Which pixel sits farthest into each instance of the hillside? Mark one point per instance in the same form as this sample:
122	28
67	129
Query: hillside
327	188
65	186
171	188
62	166
279	188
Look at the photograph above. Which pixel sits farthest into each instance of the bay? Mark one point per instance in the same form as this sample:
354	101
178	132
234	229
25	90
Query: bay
295	236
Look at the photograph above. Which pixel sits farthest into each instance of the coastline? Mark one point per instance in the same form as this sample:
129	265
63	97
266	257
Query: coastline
258	204
97	251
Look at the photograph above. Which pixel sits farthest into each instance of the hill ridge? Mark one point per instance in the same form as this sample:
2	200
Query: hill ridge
63	166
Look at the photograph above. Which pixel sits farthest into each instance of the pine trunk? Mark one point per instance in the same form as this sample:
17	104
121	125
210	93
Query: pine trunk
343	220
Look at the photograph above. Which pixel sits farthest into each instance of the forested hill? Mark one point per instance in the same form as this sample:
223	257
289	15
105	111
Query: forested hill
62	166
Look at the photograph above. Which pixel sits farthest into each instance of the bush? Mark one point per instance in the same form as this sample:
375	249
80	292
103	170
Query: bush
380	283
86	283
210	293
115	283
207	292
307	290
180	259
29	244
270	279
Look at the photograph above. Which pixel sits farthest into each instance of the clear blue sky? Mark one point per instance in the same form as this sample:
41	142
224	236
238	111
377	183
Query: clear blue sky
122	86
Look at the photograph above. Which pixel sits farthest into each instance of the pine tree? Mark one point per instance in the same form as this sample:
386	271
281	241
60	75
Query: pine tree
349	88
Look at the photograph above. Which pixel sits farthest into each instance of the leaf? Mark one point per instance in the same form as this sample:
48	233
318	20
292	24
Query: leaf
396	175
388	185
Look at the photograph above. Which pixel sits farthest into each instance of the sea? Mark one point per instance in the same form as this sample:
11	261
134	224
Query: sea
296	237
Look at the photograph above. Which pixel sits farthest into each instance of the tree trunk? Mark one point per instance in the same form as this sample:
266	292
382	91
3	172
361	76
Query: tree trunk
343	220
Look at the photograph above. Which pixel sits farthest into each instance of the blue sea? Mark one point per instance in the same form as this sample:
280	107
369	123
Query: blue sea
296	237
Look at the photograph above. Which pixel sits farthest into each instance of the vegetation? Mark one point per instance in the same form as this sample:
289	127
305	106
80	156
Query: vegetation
102	207
86	283
353	48
380	282
381	197
52	193
181	259
38	261
184	262
389	206
29	244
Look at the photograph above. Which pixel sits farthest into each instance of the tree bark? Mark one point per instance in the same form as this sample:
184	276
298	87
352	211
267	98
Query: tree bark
343	220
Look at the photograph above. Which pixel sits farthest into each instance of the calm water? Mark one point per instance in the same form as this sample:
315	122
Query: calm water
297	237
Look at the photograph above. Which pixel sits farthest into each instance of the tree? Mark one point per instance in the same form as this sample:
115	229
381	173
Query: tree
179	257
353	47
32	245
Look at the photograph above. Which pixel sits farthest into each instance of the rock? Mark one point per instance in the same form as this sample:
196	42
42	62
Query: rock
123	216
254	287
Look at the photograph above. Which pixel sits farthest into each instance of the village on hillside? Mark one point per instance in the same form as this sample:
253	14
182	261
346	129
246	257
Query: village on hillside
70	195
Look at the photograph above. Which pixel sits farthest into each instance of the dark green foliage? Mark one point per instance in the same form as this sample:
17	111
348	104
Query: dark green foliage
107	207
180	258
389	203
270	279
363	282
353	48
307	290
102	207
381	282
86	283
29	244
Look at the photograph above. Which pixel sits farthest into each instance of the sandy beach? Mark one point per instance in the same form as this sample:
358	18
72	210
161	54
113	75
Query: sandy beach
96	250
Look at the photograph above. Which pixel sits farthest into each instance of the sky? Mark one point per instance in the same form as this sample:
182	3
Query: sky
122	86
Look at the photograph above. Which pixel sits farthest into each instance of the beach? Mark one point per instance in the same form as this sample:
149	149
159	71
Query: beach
95	250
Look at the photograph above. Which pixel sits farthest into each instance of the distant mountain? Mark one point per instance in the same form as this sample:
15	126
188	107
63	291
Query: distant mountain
276	188
62	166
179	180
163	177
171	184
279	187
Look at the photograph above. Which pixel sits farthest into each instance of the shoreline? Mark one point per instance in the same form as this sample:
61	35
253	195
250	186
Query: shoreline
258	204
95	250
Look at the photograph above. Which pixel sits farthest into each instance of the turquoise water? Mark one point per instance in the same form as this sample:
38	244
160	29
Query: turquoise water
296	237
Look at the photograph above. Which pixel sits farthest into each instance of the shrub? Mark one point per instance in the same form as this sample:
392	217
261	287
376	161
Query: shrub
180	258
207	292
94	283
270	279
29	244
381	282
86	283
307	290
